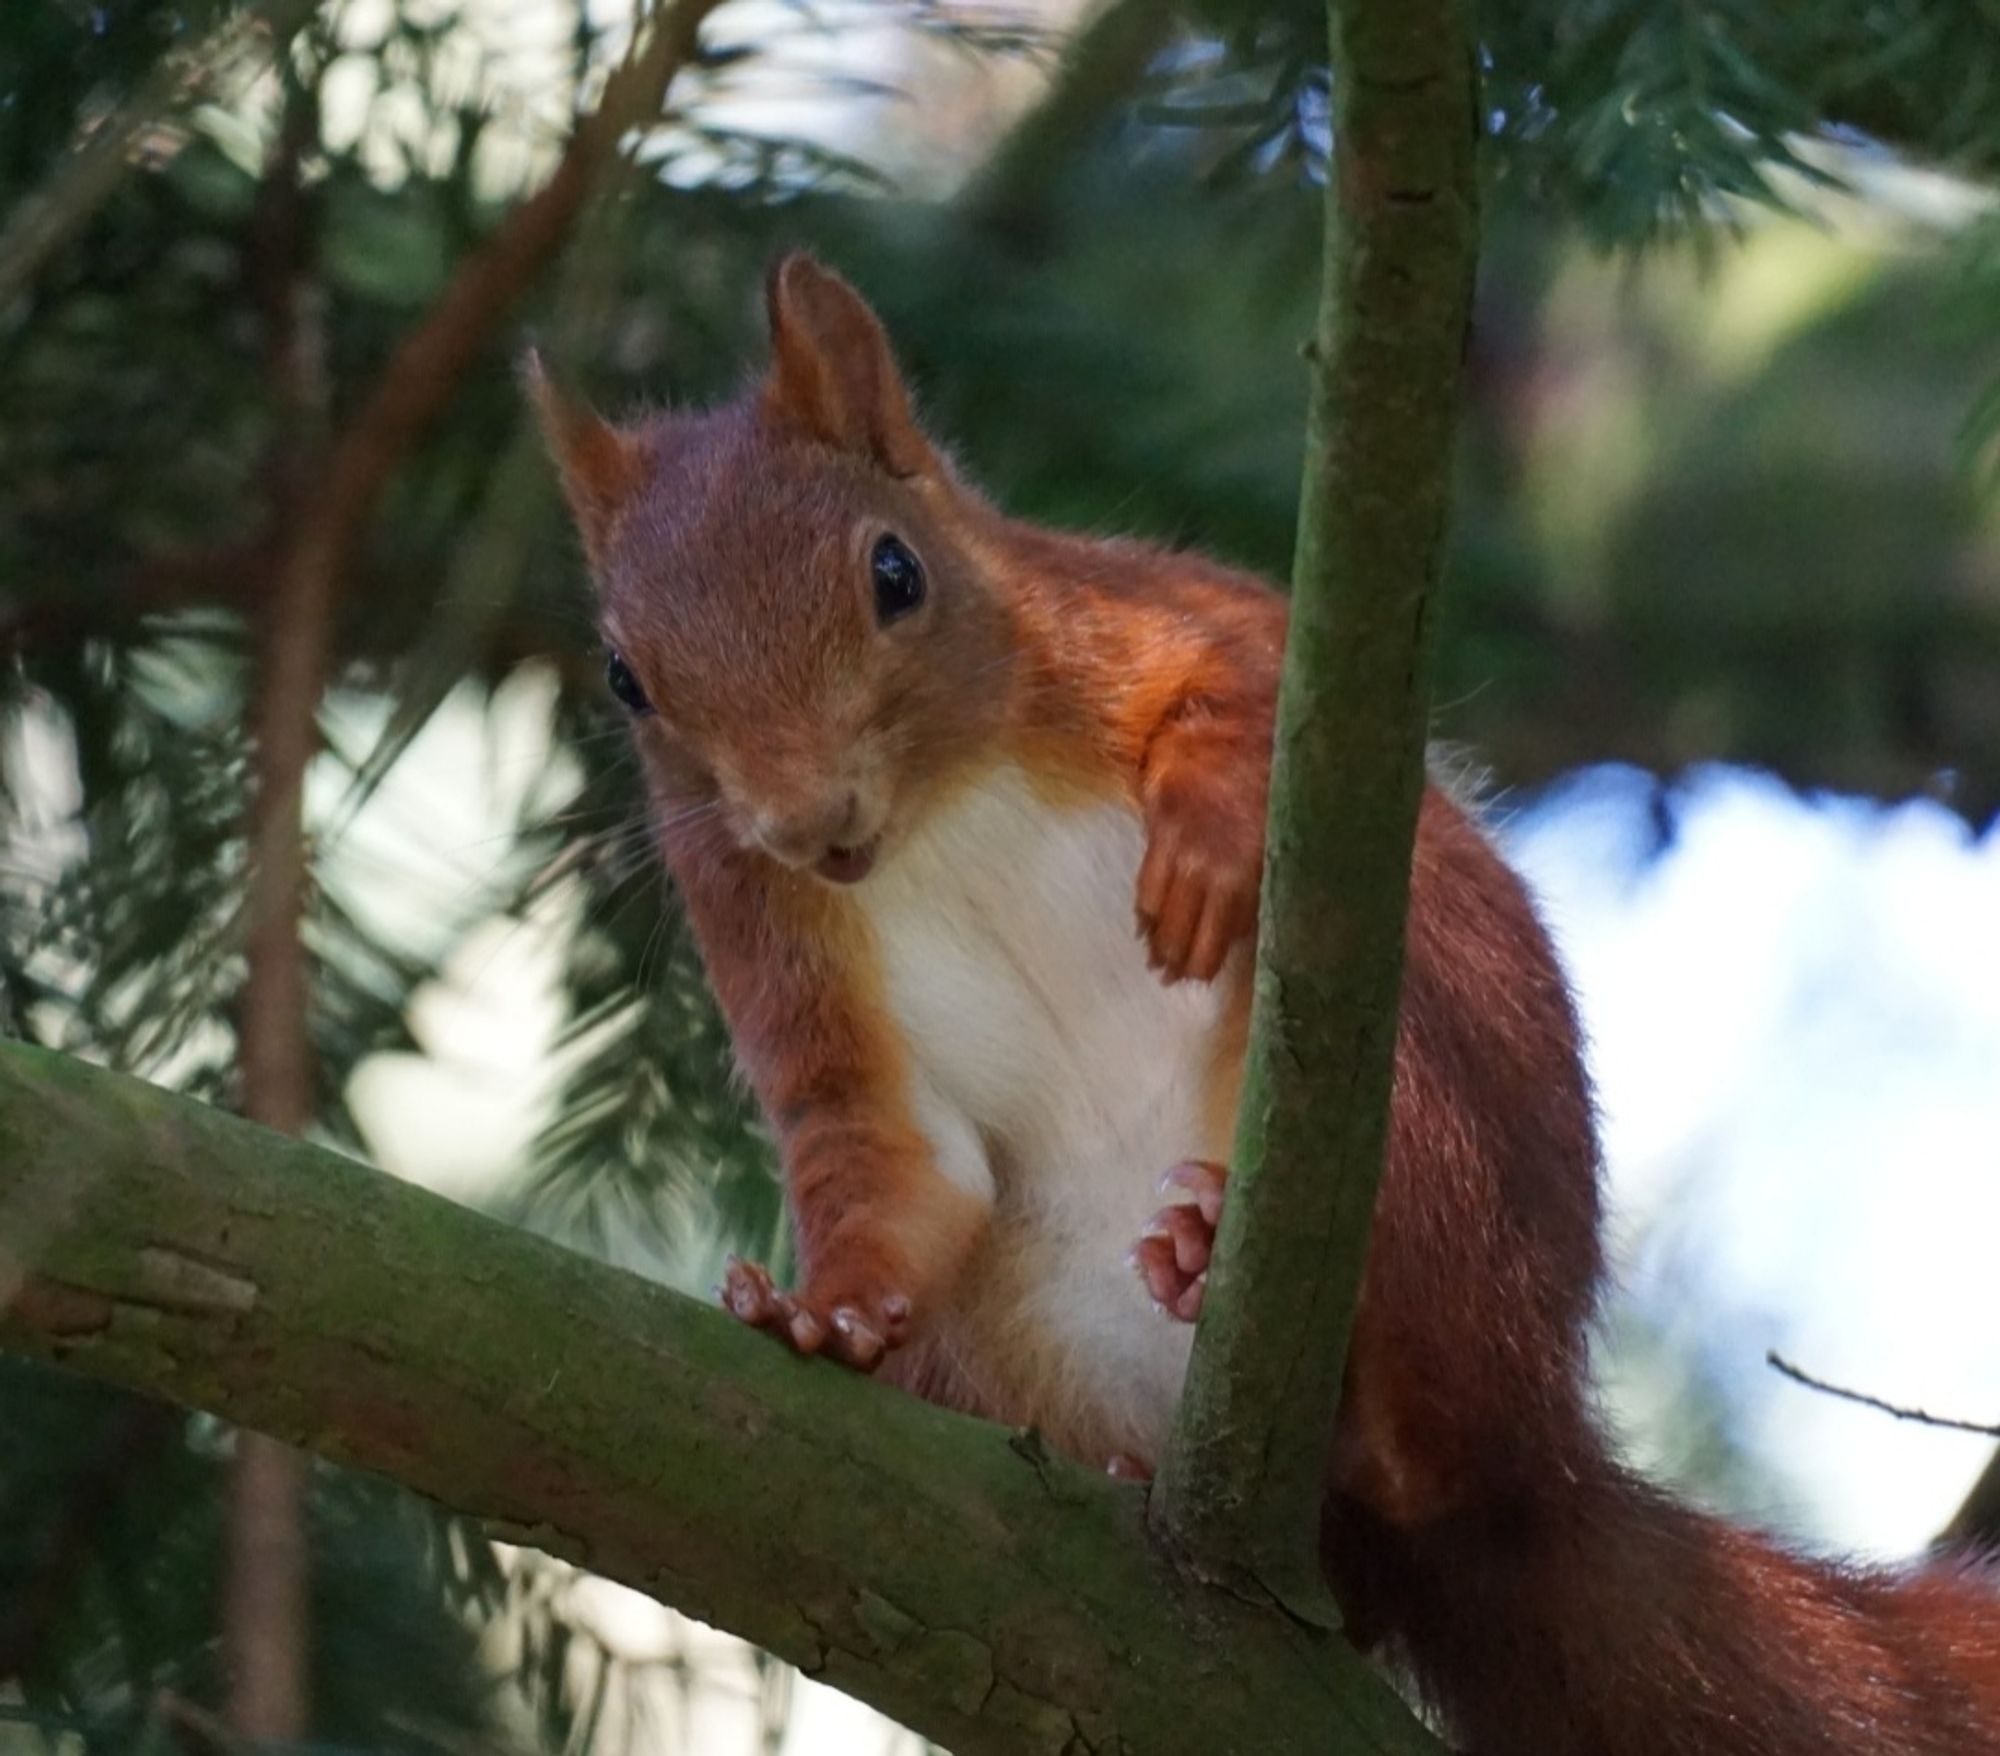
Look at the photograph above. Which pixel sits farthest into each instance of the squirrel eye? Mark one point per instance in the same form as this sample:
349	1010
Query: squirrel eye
626	686
899	579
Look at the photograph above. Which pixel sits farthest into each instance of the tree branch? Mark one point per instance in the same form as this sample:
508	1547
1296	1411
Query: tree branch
1241	1489
989	1594
1901	1411
428	363
1102	61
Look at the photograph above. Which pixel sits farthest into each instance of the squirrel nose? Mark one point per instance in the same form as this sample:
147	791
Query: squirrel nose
803	834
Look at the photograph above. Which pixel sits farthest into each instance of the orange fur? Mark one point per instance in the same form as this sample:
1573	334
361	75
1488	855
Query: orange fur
1477	1527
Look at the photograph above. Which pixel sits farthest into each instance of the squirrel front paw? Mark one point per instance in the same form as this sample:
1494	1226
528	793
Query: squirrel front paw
1197	893
850	1326
1172	1253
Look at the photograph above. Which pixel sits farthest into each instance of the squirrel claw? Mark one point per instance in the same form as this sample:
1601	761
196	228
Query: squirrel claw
1201	1179
747	1292
1173	1251
848	1330
855	1339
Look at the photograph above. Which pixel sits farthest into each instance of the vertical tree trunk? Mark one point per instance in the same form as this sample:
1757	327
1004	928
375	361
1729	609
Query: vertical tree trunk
1241	1488
265	1631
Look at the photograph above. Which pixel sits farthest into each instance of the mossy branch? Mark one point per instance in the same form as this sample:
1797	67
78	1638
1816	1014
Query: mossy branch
1241	1489
960	1577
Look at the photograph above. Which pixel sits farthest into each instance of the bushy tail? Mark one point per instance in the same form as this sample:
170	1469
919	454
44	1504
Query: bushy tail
1608	1620
1547	1600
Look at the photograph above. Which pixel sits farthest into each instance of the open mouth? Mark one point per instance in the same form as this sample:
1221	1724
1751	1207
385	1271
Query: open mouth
849	865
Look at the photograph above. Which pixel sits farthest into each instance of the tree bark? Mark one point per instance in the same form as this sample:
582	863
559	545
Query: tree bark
1242	1485
266	1630
985	1592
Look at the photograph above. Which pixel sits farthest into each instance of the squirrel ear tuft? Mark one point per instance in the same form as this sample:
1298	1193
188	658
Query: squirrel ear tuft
832	373
601	465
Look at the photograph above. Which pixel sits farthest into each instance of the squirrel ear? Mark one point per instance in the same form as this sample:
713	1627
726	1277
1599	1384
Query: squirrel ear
601	465
832	372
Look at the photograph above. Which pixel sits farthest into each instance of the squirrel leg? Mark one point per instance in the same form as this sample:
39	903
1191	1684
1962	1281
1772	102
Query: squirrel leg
1172	1253
881	1230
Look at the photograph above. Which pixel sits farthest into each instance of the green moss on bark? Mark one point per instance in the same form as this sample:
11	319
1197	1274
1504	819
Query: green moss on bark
955	1574
1241	1487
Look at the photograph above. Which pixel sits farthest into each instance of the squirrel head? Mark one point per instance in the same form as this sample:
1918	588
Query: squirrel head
791	591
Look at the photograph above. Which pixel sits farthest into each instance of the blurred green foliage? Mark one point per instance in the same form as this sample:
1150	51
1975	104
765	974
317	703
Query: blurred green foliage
1698	522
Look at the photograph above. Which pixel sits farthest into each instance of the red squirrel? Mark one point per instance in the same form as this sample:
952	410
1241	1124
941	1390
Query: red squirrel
967	817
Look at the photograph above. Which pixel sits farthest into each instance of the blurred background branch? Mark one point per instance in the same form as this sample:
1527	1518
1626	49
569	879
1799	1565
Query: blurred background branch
266	1633
1102	63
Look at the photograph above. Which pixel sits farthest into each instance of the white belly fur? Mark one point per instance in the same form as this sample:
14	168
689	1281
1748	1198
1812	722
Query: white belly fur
1054	1072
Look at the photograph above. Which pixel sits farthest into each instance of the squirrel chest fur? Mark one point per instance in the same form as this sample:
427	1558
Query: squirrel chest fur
1055	1078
